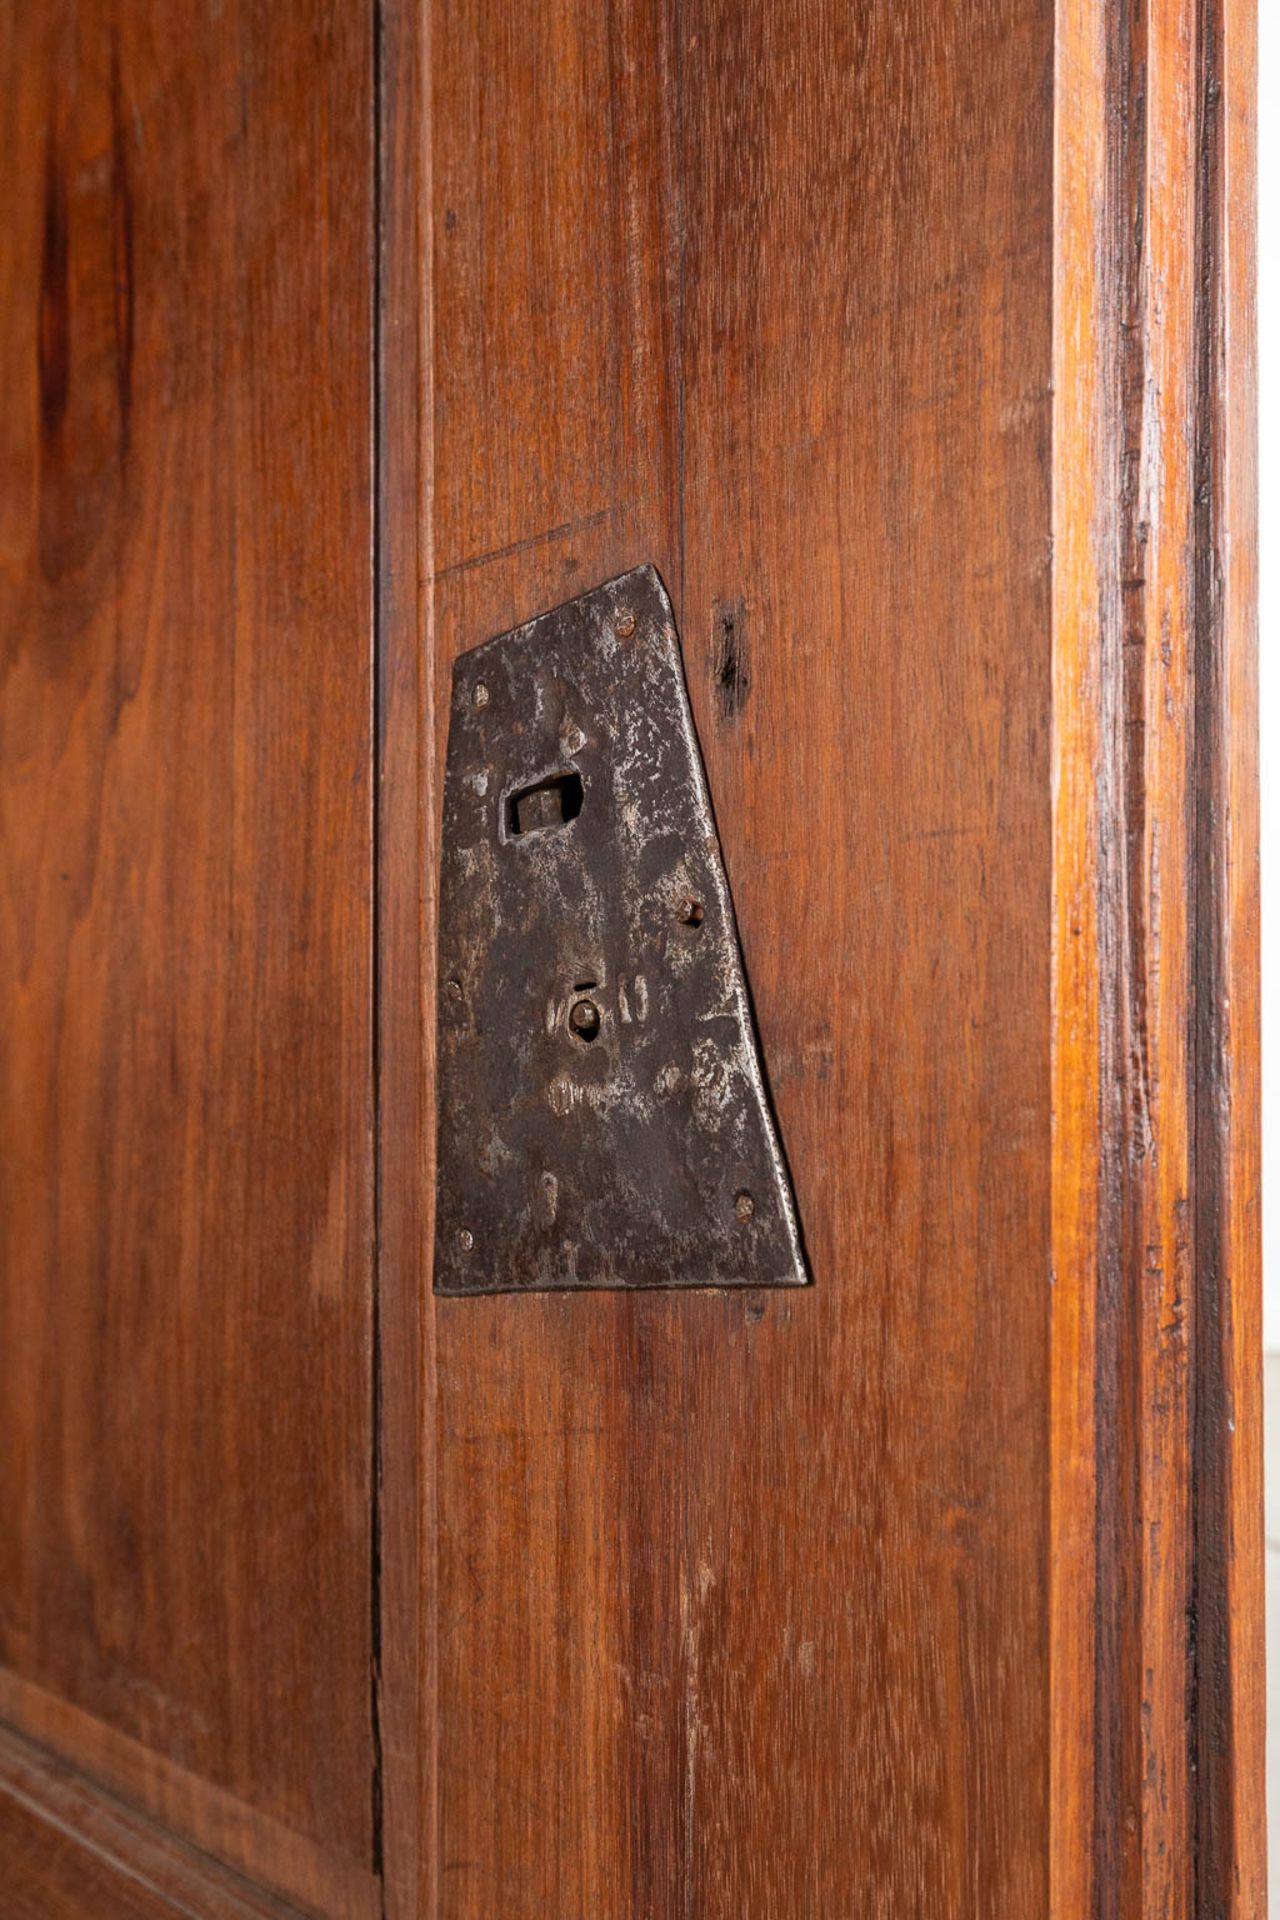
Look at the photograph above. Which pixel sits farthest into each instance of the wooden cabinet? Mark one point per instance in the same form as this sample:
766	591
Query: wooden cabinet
914	346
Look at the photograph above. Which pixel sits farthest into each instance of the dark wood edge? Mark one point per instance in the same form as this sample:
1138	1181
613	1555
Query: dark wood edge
83	1819
405	865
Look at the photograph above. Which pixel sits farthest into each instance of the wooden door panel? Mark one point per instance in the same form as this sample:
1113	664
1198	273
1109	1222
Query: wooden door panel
186	918
731	1590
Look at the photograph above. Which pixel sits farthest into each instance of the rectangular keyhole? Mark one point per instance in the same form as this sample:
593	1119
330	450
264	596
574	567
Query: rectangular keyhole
552	802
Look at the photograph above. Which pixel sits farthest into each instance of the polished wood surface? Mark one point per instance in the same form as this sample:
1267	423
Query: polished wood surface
1156	1610
44	1880
914	344
186	1435
916	348
742	1603
405	1031
68	1848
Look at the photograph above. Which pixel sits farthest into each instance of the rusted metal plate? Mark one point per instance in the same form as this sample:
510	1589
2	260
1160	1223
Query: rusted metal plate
603	1120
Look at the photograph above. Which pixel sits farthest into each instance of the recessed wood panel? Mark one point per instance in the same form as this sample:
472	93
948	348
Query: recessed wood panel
186	914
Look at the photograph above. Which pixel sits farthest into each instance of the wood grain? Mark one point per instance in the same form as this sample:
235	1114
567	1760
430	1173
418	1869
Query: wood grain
186	904
1156	1610
916	348
66	1842
45	1878
1232	1709
742	1603
1080	131
404	1034
230	1829
915	345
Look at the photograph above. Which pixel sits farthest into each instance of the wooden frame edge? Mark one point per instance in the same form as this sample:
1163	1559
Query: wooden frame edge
404	881
1228	1452
83	1821
1156	1576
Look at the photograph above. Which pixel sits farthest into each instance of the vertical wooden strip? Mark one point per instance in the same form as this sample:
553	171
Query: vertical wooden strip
743	1603
1155	829
406	867
559	1432
1156	222
1080	128
1230	1694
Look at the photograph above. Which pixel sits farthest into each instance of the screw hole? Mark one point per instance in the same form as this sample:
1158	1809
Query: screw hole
692	912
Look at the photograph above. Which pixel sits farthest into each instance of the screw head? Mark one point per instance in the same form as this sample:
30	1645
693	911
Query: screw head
625	624
744	1205
466	1239
480	694
584	1018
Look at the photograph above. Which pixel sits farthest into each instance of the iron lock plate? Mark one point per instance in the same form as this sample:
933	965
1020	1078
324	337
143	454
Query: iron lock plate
603	1119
